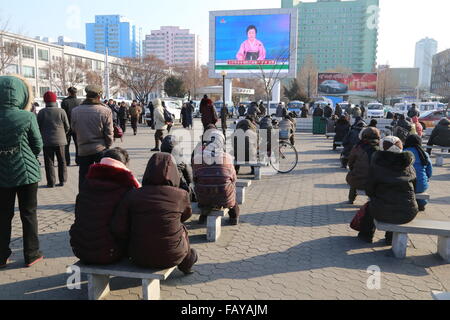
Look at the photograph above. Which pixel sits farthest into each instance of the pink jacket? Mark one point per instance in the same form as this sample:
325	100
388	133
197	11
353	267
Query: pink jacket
247	46
419	128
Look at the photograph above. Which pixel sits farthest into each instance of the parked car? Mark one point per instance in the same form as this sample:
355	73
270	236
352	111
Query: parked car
197	113
430	119
333	86
375	110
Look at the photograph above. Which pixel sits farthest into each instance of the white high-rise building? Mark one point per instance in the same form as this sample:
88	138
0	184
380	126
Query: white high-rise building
425	50
173	45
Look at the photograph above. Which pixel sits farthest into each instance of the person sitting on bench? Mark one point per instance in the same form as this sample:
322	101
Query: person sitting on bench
246	132
359	161
390	188
215	177
106	185
151	219
440	135
342	128
287	129
422	164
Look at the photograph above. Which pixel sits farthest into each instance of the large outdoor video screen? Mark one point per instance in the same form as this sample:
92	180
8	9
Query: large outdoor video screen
246	43
358	84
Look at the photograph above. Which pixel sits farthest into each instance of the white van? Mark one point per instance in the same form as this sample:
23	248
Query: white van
430	106
375	110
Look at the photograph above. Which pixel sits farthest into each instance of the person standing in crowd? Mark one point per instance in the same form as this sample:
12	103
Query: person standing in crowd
305	112
413	112
328	111
166	112
92	123
123	116
151	110
390	188
331	124
135	113
54	127
203	104
160	124
363	111
418	125
209	114
359	161
318	112
151	219
403	128
106	185
141	117
224	118
338	112
190	114
281	111
357	113
262	110
373	123
115	111
20	145
422	165
186	115
440	135
242	110
342	128
68	104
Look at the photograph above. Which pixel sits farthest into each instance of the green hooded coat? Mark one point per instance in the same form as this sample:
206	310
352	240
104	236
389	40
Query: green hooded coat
20	139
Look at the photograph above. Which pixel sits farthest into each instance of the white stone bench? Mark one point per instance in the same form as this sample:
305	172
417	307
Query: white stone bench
257	166
440	158
241	186
99	276
443	296
419	196
428	227
330	135
213	222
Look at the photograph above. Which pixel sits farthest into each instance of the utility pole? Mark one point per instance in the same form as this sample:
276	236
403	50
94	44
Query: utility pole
107	75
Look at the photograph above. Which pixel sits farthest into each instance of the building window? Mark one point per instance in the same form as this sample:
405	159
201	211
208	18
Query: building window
28	52
43	74
12	69
28	72
43	90
43	55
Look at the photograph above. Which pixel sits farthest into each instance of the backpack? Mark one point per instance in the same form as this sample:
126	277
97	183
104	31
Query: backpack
167	116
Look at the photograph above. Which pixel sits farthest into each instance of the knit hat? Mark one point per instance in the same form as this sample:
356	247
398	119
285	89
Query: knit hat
391	144
370	133
50	97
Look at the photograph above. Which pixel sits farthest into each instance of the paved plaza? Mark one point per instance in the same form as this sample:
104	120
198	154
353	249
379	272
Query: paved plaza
294	241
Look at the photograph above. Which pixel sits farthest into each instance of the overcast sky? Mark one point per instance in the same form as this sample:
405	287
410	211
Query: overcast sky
402	22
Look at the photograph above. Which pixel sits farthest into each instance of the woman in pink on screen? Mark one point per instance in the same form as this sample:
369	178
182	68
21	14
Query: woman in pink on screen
251	49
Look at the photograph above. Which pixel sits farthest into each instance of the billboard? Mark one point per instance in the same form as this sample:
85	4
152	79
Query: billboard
245	43
357	84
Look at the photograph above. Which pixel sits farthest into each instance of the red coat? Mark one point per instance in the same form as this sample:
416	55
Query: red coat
90	236
209	113
151	219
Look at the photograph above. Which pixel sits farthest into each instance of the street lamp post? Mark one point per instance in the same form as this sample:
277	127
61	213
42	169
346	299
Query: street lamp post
224	74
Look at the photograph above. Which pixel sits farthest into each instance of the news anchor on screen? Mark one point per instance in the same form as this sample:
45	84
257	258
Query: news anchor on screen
252	48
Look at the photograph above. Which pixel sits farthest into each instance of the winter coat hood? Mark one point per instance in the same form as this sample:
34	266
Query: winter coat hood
16	92
394	161
162	171
112	173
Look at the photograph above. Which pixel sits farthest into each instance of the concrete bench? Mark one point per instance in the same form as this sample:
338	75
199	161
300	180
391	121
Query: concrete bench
443	296
257	166
427	227
419	196
241	186
213	221
330	135
99	276
440	158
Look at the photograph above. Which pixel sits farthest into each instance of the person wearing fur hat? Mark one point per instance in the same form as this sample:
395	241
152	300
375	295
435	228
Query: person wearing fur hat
54	125
20	174
359	161
390	188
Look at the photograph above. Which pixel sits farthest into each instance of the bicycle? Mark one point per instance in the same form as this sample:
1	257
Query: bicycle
287	158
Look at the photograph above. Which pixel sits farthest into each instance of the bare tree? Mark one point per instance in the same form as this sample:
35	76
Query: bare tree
67	72
307	77
141	75
9	49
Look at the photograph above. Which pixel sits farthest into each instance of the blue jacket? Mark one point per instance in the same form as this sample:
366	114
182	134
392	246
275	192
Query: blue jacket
424	173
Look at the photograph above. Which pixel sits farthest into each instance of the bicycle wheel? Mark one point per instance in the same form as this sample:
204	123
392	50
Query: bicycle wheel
287	159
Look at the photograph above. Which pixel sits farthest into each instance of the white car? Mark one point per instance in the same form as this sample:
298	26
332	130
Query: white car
375	110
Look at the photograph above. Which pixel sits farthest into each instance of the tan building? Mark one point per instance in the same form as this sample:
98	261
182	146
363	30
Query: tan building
440	76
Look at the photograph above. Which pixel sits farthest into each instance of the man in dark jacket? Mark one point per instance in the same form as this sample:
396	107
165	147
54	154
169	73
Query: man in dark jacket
115	111
242	110
440	135
341	128
151	110
253	110
92	122
328	111
351	140
281	111
262	110
54	127
209	114
68	104
305	112
318	112
224	118
390	188
413	112
151	219
122	116
338	112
